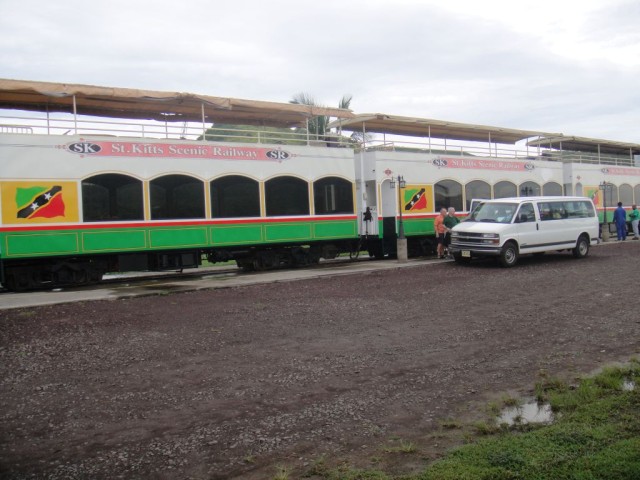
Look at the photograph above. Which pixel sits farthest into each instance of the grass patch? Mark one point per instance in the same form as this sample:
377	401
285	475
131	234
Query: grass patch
595	436
402	447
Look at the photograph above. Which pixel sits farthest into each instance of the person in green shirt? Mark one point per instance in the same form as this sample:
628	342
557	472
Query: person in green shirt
450	221
634	216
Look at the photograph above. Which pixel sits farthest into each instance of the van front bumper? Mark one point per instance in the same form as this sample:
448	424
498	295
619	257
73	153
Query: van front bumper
474	250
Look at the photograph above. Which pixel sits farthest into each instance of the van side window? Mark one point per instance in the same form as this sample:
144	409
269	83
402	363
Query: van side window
578	209
527	213
558	210
588	208
544	209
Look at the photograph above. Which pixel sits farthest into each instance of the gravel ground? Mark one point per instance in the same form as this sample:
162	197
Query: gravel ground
231	383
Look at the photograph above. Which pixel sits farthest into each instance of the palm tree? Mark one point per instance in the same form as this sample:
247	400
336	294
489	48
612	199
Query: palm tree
319	125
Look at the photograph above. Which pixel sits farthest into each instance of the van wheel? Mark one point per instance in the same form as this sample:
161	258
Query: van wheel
509	255
582	247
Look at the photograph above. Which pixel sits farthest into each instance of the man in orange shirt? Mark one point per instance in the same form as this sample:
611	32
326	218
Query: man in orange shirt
440	231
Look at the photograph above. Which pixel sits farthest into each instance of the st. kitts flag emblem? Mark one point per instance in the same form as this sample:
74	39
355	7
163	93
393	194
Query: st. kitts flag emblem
39	202
415	199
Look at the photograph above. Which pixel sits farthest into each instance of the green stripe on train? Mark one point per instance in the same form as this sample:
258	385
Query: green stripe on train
69	242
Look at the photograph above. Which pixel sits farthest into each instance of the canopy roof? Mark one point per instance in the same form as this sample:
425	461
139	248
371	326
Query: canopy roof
424	127
154	105
583	144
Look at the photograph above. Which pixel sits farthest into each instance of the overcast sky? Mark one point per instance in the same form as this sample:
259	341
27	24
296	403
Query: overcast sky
570	66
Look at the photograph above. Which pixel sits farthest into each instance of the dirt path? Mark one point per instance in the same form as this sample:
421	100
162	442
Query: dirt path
229	383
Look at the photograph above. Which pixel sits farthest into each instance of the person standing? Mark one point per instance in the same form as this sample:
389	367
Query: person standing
440	231
620	219
634	216
450	221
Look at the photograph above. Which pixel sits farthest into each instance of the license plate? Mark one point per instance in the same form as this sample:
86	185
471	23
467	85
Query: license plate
466	253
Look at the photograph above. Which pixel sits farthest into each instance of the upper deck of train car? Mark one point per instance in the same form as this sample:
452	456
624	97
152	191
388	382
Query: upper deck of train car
411	134
28	107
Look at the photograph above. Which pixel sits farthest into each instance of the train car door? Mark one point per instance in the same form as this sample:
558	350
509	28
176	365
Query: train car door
388	212
369	220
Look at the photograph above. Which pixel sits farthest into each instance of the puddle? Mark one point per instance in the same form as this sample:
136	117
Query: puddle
530	412
628	385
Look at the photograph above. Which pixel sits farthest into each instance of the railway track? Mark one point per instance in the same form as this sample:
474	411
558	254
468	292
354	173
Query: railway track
127	286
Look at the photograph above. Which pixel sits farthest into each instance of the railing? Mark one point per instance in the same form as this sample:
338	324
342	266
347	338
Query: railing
15	129
471	149
61	124
68	125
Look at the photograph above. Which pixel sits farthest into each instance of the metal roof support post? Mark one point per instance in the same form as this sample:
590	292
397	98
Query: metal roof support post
48	120
429	138
204	127
490	150
308	139
363	191
75	115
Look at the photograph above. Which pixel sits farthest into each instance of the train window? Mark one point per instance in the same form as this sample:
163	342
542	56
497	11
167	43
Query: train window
112	196
529	189
625	193
552	189
504	190
333	195
286	196
448	193
476	189
235	196
636	192
176	196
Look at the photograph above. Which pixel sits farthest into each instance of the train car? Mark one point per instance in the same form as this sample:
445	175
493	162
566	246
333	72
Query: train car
78	205
110	180
421	165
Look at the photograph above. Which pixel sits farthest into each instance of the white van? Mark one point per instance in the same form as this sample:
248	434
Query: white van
509	227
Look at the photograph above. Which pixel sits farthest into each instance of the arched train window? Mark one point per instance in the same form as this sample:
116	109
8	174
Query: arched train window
552	189
529	189
176	197
476	189
625	193
235	196
286	196
448	193
332	195
504	190
112	196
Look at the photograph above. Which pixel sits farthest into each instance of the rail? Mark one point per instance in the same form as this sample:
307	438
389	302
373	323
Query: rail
61	124
518	152
68	125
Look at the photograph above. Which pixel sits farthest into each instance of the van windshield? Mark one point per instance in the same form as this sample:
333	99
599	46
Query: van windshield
493	212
